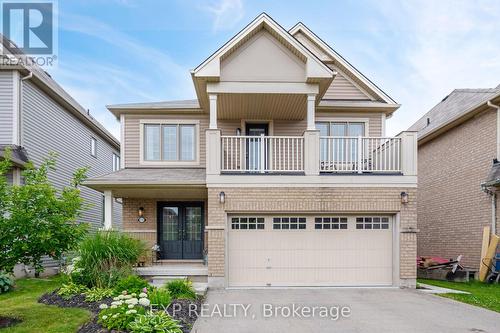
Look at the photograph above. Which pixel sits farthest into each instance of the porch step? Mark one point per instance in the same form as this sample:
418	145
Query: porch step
173	270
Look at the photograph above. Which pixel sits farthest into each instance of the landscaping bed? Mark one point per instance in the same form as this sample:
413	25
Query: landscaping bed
185	317
8	322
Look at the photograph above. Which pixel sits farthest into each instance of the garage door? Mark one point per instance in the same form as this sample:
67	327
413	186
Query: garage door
301	250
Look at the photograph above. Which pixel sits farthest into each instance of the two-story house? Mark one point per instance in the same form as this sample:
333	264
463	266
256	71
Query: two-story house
458	142
278	174
37	117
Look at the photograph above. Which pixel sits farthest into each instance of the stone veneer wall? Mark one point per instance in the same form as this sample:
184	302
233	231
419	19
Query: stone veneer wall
309	199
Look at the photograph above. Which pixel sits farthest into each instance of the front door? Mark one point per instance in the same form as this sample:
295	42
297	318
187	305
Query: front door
255	157
180	230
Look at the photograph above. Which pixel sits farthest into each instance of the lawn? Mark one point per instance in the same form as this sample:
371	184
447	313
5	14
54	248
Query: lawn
22	304
481	294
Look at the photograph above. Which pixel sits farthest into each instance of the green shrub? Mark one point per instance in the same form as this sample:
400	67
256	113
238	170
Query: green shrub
6	284
105	258
123	310
181	289
160	297
71	289
96	294
131	284
155	322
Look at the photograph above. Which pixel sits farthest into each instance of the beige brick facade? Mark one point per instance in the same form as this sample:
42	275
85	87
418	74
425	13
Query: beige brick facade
453	209
309	199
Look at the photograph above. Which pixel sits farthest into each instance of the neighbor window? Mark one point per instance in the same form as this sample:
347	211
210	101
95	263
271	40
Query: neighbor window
372	223
169	142
330	223
93	147
247	223
116	162
287	223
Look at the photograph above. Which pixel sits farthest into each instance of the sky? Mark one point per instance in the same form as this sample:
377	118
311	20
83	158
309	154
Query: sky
125	51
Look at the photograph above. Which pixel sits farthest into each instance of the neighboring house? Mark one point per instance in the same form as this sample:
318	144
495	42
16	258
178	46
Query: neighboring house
278	174
38	117
458	140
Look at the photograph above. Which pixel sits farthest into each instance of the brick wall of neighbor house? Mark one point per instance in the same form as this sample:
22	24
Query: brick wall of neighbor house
453	210
145	231
294	199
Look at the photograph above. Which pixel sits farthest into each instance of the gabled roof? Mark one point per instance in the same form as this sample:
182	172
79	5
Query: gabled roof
211	66
209	70
342	62
455	108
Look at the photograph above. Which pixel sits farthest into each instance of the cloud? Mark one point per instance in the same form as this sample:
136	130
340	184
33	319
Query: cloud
442	45
226	13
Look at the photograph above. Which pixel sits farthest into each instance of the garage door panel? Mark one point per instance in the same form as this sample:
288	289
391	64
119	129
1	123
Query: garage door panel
311	257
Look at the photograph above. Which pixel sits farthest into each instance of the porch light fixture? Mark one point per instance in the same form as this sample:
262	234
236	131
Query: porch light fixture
405	198
141	218
238	131
222	197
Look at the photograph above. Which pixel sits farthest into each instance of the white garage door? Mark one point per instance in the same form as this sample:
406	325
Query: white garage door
300	250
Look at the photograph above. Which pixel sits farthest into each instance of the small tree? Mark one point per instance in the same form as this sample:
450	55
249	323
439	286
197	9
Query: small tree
36	219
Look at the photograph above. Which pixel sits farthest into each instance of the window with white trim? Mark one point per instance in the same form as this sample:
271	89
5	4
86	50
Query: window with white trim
372	223
170	142
247	223
324	223
289	223
93	147
116	162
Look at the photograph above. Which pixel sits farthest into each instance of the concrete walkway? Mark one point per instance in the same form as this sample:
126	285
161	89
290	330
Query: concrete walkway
371	310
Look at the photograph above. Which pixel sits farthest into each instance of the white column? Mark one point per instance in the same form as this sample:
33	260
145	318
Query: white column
108	210
213	111
213	151
311	153
311	104
408	153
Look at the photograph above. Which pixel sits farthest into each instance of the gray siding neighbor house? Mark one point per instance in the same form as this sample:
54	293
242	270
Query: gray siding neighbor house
37	116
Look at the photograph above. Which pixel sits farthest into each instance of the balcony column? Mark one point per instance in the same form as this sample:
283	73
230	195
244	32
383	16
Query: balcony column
213	111
311	105
408	153
108	210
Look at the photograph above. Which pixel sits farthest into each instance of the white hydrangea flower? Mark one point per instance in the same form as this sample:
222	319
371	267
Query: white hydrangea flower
103	306
133	301
117	303
143	295
131	306
104	317
131	312
127	297
116	298
133	295
115	315
144	302
121	297
114	306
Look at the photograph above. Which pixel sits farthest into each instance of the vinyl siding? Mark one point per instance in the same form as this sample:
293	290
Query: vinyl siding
297	127
47	127
132	136
343	89
6	106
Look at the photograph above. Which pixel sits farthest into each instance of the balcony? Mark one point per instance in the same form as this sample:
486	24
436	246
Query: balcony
311	155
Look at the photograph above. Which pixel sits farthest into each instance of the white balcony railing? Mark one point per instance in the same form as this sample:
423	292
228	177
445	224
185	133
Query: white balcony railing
262	154
360	154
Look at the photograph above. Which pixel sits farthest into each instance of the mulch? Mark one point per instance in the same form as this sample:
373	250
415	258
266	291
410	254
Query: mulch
8	321
178	309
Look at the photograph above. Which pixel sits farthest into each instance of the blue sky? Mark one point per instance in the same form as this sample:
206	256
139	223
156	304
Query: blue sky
120	51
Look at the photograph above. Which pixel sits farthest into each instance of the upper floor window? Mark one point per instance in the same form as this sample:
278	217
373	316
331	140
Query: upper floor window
340	148
93	147
116	162
170	142
342	128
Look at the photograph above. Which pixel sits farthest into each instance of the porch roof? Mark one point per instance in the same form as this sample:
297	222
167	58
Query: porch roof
148	177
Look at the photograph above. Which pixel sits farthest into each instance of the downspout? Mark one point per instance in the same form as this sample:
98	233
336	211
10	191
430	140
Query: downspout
493	193
21	89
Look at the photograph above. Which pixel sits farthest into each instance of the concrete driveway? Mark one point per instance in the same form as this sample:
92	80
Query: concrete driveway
371	310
